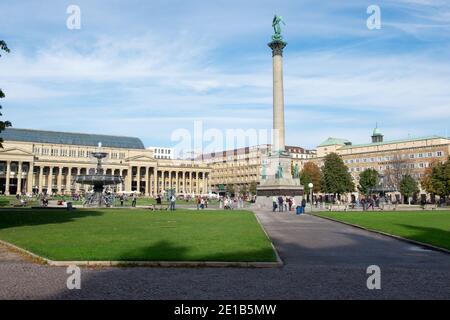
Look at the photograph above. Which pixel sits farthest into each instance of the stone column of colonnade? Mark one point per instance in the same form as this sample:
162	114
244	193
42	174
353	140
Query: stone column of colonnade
19	178
69	180
8	176
30	177
40	179
50	180
59	180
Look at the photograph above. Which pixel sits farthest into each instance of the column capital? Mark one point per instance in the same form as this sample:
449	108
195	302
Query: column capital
277	47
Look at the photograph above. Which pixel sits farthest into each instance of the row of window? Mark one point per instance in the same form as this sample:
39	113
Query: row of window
391	158
73	153
420	165
163	151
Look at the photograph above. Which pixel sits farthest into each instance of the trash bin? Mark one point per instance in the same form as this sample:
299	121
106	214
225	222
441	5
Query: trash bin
69	205
299	209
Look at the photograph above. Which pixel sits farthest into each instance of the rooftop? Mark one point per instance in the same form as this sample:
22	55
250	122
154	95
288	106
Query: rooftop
80	139
393	142
334	141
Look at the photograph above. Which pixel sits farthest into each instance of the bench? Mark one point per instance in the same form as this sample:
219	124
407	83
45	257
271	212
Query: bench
430	206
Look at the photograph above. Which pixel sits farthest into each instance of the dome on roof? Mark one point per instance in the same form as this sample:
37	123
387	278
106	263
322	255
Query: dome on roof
376	132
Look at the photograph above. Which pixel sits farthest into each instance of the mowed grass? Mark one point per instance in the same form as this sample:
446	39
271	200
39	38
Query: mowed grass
431	227
137	235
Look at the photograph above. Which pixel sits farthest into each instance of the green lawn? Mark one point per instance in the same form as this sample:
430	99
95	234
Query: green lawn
139	234
431	227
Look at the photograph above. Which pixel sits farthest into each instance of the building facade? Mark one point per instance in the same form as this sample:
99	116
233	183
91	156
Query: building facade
392	159
243	167
34	161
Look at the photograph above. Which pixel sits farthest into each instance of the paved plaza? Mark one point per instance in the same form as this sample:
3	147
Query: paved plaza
323	259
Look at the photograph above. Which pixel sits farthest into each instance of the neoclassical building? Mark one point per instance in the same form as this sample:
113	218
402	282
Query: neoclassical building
35	161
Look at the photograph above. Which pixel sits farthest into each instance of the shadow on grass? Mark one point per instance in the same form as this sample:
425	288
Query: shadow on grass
166	251
434	236
32	217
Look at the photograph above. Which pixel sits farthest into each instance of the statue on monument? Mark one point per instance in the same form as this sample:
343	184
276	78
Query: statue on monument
277	20
279	173
295	173
263	172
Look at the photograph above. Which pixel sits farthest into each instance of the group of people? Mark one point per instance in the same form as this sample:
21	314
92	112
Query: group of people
230	203
202	202
281	204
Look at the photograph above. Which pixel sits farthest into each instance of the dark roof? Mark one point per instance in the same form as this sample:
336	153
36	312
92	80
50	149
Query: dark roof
83	139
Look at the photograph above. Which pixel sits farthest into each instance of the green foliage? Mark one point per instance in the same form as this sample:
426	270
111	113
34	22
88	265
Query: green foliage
335	176
439	178
311	173
368	179
3	124
230	188
408	186
244	189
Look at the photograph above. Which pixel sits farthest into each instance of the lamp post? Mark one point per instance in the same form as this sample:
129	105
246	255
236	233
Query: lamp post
310	186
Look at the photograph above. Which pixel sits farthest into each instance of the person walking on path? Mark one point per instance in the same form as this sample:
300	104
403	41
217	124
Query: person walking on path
303	205
274	204
280	203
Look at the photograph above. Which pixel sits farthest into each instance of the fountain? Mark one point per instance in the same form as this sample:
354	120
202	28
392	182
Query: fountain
98	180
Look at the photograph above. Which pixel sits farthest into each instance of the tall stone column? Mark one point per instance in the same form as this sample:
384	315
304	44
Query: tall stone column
197	182
69	181
8	176
19	178
155	182
277	47
59	180
30	174
184	182
128	179
77	185
41	178
177	186
147	182
50	181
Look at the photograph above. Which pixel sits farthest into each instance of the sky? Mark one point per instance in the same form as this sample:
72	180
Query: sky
152	68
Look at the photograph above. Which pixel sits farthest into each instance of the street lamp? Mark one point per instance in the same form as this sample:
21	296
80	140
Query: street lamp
310	186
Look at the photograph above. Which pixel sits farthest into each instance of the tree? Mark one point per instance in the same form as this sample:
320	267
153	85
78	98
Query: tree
408	186
244	189
427	179
438	183
335	176
397	167
368	179
230	188
311	173
3	124
253	187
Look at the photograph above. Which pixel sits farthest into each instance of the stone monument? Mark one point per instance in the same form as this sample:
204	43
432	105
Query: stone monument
278	177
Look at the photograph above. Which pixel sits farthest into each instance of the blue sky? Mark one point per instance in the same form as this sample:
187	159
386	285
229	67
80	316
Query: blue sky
148	68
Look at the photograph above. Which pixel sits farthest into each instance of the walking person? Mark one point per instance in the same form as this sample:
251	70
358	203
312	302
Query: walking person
280	203
173	200
134	201
274	204
303	205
